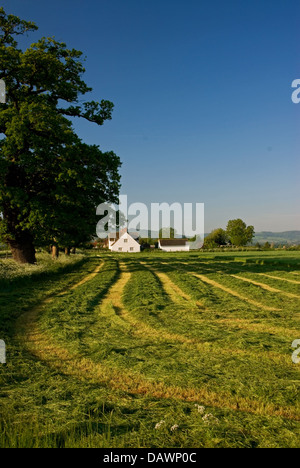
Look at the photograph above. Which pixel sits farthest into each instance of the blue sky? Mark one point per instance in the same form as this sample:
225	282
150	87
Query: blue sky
202	94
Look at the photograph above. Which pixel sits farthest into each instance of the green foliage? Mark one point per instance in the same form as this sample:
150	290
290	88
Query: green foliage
238	232
50	181
216	238
11	25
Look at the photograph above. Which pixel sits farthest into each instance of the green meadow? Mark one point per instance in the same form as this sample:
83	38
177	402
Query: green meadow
151	350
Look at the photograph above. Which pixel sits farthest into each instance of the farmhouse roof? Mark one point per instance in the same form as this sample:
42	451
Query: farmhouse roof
118	234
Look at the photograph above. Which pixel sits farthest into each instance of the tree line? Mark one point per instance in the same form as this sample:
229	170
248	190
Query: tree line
236	233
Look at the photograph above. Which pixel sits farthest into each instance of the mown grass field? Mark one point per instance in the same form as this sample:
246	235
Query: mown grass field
151	350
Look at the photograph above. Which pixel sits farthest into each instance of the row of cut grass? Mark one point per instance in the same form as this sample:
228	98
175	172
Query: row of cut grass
101	379
76	336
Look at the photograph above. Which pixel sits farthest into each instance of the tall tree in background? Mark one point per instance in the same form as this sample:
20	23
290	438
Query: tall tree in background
239	233
50	181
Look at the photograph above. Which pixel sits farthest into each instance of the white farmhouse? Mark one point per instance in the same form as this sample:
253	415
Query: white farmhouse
123	243
174	245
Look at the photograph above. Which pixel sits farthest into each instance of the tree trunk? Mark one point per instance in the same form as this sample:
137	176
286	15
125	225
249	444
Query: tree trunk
22	249
73	250
67	250
55	252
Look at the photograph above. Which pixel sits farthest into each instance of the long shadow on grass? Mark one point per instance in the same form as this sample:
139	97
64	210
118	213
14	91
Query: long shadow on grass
6	285
93	302
19	294
188	265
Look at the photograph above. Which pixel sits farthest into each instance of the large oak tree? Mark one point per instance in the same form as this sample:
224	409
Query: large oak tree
50	181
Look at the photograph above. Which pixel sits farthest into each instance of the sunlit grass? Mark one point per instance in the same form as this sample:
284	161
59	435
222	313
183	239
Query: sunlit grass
123	355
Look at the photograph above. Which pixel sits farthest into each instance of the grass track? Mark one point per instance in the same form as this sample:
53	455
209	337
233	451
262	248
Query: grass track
176	295
267	287
41	346
205	279
279	278
175	292
103	328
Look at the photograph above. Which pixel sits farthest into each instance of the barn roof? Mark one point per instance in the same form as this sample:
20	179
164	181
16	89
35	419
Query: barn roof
172	242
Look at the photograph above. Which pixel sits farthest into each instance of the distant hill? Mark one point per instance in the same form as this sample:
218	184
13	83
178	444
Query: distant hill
278	238
284	238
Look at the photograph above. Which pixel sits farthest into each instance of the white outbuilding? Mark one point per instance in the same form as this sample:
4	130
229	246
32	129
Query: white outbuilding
174	245
124	243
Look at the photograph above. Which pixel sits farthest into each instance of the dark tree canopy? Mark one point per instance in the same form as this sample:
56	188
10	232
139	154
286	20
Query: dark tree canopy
50	181
216	238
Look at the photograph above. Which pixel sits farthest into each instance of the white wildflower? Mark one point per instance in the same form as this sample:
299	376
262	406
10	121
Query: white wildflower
210	418
173	428
200	409
158	425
